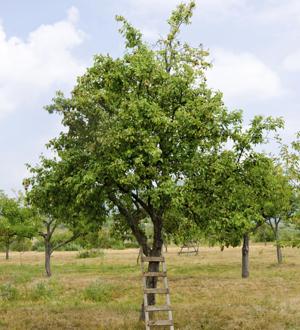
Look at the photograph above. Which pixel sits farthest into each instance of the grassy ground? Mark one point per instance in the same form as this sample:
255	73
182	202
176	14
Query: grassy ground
105	292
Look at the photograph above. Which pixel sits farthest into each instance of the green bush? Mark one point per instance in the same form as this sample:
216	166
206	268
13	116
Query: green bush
22	244
98	292
94	253
107	239
38	245
263	234
72	246
8	292
290	236
130	245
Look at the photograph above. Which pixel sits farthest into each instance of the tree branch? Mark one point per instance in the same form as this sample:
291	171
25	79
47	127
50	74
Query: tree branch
65	242
147	207
132	222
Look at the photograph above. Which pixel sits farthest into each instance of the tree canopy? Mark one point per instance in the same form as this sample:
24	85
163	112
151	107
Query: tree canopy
135	124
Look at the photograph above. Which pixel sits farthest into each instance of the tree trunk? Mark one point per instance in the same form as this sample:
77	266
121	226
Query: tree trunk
48	258
7	250
245	256
166	247
279	253
155	251
278	247
265	237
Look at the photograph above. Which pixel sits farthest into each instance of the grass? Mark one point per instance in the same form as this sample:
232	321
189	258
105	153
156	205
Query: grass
207	291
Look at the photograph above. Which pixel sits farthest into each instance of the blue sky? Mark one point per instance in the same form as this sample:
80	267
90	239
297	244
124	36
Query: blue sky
45	45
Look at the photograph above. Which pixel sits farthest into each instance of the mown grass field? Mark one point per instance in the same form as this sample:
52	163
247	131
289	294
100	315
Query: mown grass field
207	291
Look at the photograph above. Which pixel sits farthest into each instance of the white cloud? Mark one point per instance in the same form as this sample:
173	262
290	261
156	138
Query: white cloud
292	62
225	6
73	15
166	6
243	76
278	11
28	68
153	5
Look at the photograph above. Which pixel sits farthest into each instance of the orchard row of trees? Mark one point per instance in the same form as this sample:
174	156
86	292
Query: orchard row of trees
20	221
146	140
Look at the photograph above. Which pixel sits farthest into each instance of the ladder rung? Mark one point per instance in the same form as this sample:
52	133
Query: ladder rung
155	274
148	259
160	322
157	308
162	291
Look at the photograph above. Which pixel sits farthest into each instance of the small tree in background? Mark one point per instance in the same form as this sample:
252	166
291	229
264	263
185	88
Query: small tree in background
289	186
16	221
226	196
49	196
279	206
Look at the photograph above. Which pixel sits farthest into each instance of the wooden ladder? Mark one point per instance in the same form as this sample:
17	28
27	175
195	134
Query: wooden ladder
165	290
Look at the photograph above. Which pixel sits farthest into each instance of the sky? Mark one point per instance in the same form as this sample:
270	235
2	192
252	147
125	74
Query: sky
44	45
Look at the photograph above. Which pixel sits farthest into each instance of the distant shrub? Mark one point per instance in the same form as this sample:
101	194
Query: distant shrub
41	291
107	241
21	244
263	234
94	253
107	237
98	292
290	237
38	245
102	239
8	292
116	245
130	244
113	243
72	246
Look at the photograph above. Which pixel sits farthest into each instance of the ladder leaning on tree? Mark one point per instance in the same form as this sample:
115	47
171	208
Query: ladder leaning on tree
165	290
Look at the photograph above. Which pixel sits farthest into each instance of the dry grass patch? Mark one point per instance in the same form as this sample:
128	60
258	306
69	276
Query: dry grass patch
105	293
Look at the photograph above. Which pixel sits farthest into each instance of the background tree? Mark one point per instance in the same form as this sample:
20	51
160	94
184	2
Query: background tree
289	161
279	206
227	192
16	221
55	205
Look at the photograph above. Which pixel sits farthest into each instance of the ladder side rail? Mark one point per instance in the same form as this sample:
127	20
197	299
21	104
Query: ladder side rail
147	319
168	299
